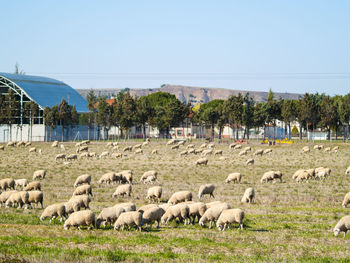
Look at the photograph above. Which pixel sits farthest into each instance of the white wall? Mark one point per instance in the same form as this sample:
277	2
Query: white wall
24	133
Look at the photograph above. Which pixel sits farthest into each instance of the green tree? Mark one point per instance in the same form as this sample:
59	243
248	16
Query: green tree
273	111
247	114
233	109
104	115
259	116
31	111
50	118
344	112
91	115
143	113
328	114
210	114
125	111
288	112
12	109
64	115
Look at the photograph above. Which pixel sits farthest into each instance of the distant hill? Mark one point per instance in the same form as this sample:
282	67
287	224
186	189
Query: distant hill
192	94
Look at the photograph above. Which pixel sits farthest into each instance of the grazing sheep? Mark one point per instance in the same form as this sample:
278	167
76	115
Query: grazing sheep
148	173
78	144
206	189
321	173
218	152
214	203
233	177
107	178
21	183
202	161
62	147
125	176
5	195
249	161
155	151
82	149
247	149
170	142
301	175
127	206
60	156
306	149
346	200
84	154
39	174
335	149
127	148
27	144
72	206
230	216
108	216
2	147
143	208
185	152
237	146
83	190
342	226
259	152
129	219
196	151
150	179
72	157
17	199
115	148
151	215
139	151
327	149
83	200
145	143
190	146
35	185
248	196
266	151
175	147
7	183
213	213
82	179
117	155
243	153
204	145
104	154
207	152
270	176
347	171
191	150
179	211
36	197
122	190
232	146
92	154
197	210
317	147
154	193
181	143
137	146
80	218
54	144
179	197
53	211
11	144
32	150
223	158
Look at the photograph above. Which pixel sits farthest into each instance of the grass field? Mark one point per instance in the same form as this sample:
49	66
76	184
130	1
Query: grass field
289	222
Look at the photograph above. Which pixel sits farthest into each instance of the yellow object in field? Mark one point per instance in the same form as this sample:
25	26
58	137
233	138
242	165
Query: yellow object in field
285	140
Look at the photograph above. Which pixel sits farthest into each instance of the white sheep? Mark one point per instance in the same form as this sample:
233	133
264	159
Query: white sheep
218	152
82	149
335	149
266	151
151	215
108	216
248	196
143	208
170	142
155	151
145	143
180	196
122	190
204	145
249	161
104	154
83	189
137	146
342	226
53	211
39	174
206	189
327	149
237	146
7	183
71	157
5	195
148	173
201	161
191	150
127	206
125	176
154	193
83	200
21	183
346	200
133	218
35	185
259	152
321	173
107	178
150	179
232	146
197	210
82	179
32	150
175	147
179	211
242	153
54	144
185	152
80	218
190	146
115	148
36	197
139	151
196	151
207	152
306	149
270	176
230	216
117	155
233	177
247	149
72	206
213	213
347	172
17	199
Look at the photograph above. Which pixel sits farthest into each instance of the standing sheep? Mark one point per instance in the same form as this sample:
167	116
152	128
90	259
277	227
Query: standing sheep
197	210
259	152
7	183
83	189
83	200
82	179
206	189
218	152
154	193
108	216
230	216
32	150
80	218
60	156
21	183
181	196
122	190
133	218
5	195
248	196
347	172
148	173
36	197
35	185
39	174
233	177
201	161
72	157
53	211
342	226
152	215
127	206
179	211
213	213
250	161
107	178
346	200
72	206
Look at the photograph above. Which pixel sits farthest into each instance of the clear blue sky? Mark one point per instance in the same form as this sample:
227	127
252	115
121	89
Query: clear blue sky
294	46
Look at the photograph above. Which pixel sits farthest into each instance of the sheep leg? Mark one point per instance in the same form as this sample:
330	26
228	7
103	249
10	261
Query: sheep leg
241	226
210	224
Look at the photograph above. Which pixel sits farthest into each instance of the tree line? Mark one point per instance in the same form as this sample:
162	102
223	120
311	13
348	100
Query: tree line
164	111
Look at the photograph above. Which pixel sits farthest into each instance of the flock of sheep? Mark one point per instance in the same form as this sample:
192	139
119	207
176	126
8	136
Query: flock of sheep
180	206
